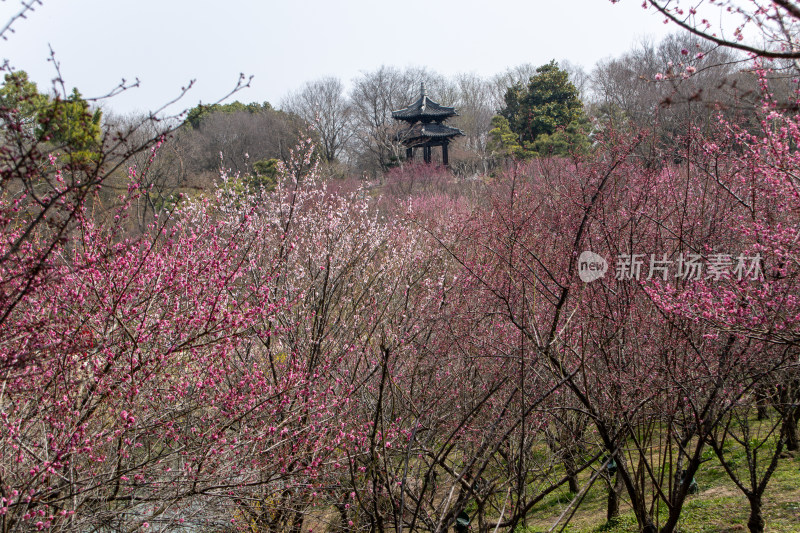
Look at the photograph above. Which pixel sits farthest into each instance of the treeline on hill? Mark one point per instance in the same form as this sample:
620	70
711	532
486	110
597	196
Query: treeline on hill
523	113
278	350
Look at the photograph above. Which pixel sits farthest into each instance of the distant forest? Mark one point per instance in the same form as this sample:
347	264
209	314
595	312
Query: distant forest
355	135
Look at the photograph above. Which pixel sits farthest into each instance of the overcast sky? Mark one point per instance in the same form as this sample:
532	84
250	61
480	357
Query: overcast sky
166	43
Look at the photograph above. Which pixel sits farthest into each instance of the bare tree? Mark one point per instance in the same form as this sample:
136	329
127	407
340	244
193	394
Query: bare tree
240	139
162	171
501	82
577	75
627	83
678	81
323	104
374	96
475	106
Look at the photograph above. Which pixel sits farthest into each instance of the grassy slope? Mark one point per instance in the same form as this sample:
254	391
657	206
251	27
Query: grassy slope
719	507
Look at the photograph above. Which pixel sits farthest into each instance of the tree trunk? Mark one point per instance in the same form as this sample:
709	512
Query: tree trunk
572	473
790	429
573	484
637	501
614	490
756	520
762	402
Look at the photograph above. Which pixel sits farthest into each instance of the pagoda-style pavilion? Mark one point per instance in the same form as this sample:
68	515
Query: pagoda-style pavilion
425	127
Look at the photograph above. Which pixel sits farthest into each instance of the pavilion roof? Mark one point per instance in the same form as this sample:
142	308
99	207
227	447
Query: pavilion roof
424	109
427	130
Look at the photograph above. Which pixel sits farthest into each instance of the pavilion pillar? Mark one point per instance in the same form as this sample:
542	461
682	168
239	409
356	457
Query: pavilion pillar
426	154
445	158
409	153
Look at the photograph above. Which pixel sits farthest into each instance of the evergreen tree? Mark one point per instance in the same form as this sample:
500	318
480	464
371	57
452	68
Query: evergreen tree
68	124
20	94
547	115
502	141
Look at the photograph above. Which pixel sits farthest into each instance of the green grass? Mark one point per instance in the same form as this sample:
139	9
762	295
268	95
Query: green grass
719	507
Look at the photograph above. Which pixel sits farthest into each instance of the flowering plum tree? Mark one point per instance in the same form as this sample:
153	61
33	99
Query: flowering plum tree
773	20
749	304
